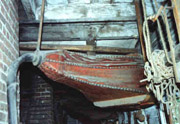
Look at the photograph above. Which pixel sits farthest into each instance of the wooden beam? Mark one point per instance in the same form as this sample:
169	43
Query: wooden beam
176	11
125	43
27	46
123	101
108	39
88	10
139	16
81	20
80	31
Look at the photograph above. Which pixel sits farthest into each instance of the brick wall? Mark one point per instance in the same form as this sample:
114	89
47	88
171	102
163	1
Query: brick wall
36	98
9	48
41	98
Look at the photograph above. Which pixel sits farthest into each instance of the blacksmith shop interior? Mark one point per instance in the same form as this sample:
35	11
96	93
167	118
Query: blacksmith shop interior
89	61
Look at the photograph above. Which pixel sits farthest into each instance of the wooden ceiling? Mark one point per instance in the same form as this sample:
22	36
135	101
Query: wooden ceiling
109	23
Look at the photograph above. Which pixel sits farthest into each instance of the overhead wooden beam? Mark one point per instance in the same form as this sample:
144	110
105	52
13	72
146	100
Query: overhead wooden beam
176	11
28	46
81	20
79	31
84	39
126	43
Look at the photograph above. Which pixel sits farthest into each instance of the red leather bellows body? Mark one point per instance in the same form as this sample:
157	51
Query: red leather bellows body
99	77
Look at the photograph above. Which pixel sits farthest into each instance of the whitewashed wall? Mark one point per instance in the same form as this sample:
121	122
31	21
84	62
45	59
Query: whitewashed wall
67	9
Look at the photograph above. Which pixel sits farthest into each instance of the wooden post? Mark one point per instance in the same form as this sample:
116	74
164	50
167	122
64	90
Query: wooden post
41	26
162	114
176	11
139	16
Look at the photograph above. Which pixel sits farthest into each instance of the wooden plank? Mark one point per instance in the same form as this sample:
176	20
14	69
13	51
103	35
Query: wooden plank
99	1
73	43
78	48
79	1
126	43
123	1
80	20
76	9
89	10
122	101
55	2
80	31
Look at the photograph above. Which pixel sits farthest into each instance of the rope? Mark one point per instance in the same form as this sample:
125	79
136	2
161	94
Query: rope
171	44
163	41
161	76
